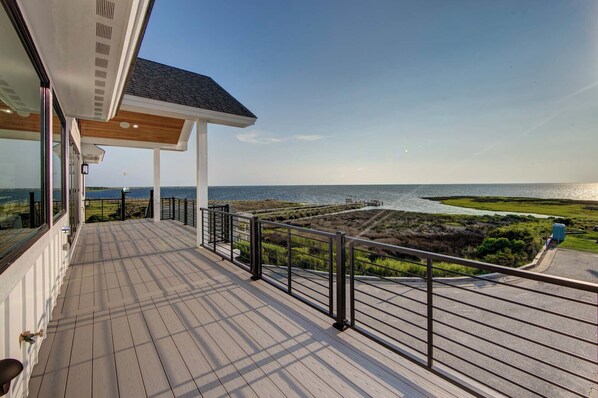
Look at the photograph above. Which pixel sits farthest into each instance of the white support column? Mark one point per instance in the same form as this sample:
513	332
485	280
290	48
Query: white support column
156	198
201	126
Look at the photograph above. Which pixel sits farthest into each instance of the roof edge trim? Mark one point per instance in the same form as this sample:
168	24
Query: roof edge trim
136	33
161	108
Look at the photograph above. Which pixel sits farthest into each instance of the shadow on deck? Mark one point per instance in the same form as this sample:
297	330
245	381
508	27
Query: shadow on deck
143	313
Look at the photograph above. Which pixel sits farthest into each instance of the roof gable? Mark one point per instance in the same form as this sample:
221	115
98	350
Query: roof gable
161	82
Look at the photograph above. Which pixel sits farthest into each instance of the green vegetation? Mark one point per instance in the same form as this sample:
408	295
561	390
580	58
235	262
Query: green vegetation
510	240
245	206
315	257
585	209
276	210
580	216
99	188
109	209
587	242
506	240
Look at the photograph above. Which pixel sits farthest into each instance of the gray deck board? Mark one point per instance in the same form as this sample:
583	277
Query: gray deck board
143	313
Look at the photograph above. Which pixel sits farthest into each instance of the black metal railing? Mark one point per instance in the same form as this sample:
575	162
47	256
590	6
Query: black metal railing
516	332
116	209
184	210
299	261
230	236
485	327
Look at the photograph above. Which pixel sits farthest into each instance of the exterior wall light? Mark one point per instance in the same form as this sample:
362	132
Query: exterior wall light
84	169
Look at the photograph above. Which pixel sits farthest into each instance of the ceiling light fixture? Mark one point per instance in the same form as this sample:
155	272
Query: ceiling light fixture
125	125
135	126
9	111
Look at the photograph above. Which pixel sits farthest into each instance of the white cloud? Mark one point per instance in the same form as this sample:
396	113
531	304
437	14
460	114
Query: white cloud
263	137
254	137
308	137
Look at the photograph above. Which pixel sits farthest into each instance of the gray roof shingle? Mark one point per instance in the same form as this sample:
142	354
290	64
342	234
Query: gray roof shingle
161	82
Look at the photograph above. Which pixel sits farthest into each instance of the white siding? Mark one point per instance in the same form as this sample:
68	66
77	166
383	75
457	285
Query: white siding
28	290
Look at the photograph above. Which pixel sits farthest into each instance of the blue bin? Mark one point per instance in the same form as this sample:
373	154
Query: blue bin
558	232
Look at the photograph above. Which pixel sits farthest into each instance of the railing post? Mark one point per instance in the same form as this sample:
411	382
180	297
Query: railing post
352	283
151	204
203	231
228	223
194	207
430	316
289	264
31	209
214	230
330	276
172	208
341	292
185	211
122	206
230	239
255	243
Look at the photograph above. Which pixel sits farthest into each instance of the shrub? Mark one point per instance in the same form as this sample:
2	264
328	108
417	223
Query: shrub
493	245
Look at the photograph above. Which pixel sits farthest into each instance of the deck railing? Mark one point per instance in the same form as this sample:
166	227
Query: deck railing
485	327
115	209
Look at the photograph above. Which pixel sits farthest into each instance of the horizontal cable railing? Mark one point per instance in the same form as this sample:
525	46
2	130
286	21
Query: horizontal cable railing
229	235
485	327
299	261
102	210
516	332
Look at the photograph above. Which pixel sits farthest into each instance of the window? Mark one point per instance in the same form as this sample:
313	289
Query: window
22	162
74	188
58	166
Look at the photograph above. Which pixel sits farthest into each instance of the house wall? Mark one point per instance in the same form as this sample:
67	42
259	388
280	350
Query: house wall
28	292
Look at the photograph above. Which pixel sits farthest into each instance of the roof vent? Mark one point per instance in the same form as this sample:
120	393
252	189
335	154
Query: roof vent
102	48
101	62
103	31
105	8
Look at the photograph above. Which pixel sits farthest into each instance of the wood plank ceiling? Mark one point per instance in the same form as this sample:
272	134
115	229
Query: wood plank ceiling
150	128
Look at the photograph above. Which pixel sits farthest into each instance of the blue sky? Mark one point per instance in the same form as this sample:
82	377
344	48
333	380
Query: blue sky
384	91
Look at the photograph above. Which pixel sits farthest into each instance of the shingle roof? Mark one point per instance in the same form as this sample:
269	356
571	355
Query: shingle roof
161	82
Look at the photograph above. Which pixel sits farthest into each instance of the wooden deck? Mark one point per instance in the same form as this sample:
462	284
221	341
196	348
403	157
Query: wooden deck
142	313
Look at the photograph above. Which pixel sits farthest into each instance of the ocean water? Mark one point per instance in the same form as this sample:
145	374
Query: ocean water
398	197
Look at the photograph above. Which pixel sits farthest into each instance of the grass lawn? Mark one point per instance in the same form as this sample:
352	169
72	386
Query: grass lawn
586	209
581	215
585	242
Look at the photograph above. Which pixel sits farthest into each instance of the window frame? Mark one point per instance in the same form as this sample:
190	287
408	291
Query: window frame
63	153
18	23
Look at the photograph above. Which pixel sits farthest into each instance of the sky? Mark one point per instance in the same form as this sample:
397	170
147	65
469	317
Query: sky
383	92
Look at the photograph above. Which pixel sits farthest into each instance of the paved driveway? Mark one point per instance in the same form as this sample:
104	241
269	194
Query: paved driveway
573	264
